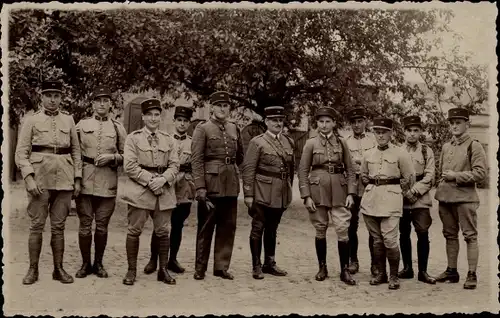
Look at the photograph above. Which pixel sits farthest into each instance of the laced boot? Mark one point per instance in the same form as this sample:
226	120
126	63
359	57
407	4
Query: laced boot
471	280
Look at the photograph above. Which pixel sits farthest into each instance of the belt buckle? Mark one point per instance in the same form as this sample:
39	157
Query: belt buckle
377	183
283	175
158	170
331	169
227	160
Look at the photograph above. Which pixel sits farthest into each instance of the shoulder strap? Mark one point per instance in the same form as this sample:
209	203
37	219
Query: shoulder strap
117	136
424	153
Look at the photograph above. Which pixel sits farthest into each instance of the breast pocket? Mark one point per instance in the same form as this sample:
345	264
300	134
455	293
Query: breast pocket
373	167
64	136
109	141
164	154
318	156
144	154
263	189
391	167
214	143
269	159
41	134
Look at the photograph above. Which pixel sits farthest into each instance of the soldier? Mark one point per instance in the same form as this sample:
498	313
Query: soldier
216	150
184	190
327	185
417	203
463	165
359	142
151	163
267	185
387	172
101	140
48	155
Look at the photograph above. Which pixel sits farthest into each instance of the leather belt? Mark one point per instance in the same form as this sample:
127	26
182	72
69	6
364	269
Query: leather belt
159	169
384	181
52	150
331	169
419	177
226	160
185	167
88	160
279	175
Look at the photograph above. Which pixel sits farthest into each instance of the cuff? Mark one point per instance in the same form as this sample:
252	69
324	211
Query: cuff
26	171
144	178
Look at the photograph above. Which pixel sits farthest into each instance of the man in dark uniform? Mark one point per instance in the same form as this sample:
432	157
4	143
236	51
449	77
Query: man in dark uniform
463	165
101	141
184	190
267	184
151	163
359	142
417	203
387	172
216	151
48	155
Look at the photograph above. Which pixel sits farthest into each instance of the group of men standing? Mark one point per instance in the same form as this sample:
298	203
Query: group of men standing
338	179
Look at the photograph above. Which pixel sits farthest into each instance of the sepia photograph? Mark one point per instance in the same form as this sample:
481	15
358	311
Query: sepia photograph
214	159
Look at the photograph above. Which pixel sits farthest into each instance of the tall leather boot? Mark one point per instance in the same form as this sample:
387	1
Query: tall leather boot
320	244
423	248
57	244
34	249
85	243
163	274
345	274
394	258
175	243
374	267
100	239
379	261
153	261
407	271
270	266
255	249
132	246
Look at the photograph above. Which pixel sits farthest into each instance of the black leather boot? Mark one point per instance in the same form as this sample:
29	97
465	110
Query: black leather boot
85	243
153	261
34	249
270	267
321	254
57	244
163	274
449	275
100	240
393	257
471	281
379	260
407	271
132	246
255	249
175	243
345	274
374	267
423	248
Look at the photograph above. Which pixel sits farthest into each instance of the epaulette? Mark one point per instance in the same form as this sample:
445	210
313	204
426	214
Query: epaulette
163	132
116	121
137	132
64	112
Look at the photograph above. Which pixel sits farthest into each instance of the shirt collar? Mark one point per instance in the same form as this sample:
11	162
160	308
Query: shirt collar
218	122
326	136
149	133
361	136
460	140
382	148
99	118
414	146
273	135
51	112
179	136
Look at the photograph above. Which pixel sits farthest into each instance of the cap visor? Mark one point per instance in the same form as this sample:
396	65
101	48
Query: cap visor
381	127
51	90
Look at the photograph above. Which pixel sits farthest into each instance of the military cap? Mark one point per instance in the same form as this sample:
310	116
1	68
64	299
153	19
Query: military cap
219	97
460	113
51	86
101	91
274	111
382	122
356	113
150	104
182	111
412	121
326	111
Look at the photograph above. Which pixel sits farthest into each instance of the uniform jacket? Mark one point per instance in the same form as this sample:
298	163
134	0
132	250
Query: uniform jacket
386	200
214	141
454	156
51	171
324	188
101	137
425	169
358	147
162	153
184	184
266	153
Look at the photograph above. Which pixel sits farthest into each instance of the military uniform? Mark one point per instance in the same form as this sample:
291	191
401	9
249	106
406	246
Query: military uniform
386	171
358	146
149	155
48	149
267	178
458	199
185	193
216	151
98	135
416	207
326	175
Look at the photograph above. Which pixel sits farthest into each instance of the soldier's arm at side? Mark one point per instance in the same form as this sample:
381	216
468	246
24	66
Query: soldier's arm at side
423	186
351	176
239	151
23	149
197	155
122	135
304	167
407	171
249	167
363	170
131	164
76	151
478	167
173	163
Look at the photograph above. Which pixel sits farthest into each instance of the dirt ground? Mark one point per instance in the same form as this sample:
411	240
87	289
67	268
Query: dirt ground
296	293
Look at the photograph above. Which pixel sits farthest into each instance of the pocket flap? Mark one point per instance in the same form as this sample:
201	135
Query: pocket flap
395	189
144	146
319	151
36	158
212	168
64	130
391	159
41	127
314	180
87	130
109	134
264	179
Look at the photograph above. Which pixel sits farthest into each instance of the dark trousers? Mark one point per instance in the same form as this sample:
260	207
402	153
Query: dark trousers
421	219
222	219
91	207
179	215
265	223
353	232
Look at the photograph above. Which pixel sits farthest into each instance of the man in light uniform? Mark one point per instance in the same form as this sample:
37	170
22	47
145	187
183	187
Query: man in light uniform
48	155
